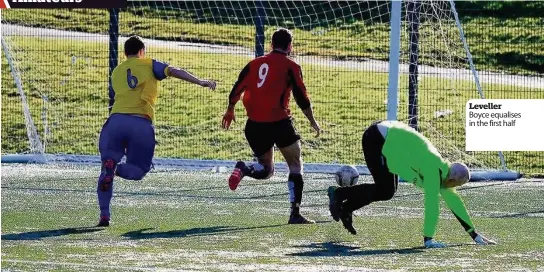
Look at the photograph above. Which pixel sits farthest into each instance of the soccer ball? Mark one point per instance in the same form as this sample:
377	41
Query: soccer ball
347	175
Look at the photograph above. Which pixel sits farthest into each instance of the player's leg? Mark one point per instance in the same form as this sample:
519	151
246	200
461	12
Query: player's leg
358	196
385	183
258	137
288	141
111	151
263	168
140	150
295	182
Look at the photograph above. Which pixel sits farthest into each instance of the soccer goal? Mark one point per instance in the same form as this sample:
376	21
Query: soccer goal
362	61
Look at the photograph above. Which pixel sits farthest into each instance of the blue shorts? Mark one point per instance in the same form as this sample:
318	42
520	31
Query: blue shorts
130	136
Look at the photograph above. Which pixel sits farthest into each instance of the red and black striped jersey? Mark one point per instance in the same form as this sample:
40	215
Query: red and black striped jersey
266	84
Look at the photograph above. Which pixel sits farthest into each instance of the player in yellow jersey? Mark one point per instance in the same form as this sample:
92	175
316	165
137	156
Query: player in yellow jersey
129	130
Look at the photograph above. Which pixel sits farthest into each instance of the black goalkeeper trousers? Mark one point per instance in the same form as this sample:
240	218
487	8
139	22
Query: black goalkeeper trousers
385	183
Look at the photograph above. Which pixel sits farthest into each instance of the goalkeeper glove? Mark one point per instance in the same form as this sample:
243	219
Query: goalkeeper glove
228	118
482	240
431	243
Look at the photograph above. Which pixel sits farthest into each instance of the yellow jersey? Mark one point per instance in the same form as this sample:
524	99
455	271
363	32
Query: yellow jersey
135	86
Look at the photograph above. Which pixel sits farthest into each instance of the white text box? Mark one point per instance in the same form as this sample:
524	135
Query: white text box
504	125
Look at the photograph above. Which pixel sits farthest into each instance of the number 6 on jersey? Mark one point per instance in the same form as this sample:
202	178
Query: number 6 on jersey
131	80
263	71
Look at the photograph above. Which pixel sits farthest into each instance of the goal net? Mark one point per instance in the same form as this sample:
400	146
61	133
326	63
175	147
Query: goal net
55	77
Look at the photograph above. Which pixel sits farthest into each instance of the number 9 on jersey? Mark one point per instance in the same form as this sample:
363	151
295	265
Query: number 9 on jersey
263	72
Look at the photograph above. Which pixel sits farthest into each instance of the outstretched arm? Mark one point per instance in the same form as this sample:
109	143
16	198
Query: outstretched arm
162	70
185	75
458	208
432	202
432	206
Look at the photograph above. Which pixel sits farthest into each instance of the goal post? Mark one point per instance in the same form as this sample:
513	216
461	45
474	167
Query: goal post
113	32
36	148
259	28
394	60
412	25
413	32
407	60
412	15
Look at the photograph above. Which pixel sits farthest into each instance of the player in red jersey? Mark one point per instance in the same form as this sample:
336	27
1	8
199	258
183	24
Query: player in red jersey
267	83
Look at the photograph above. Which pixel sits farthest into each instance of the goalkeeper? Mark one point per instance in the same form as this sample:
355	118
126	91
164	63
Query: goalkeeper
392	149
129	130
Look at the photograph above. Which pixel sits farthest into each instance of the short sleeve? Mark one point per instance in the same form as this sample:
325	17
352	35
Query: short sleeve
160	70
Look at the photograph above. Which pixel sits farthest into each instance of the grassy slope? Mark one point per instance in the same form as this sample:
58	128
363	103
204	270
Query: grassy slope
188	117
497	44
192	221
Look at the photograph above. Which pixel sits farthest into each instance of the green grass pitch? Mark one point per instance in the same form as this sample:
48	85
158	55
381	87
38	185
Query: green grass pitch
191	221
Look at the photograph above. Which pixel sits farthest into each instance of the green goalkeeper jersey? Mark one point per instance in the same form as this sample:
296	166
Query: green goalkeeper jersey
413	158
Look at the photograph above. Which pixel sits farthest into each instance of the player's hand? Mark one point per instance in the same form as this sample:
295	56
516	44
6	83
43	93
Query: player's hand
482	240
316	127
209	84
434	244
227	119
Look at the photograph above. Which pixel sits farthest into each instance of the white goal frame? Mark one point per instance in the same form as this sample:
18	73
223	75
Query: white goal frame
37	154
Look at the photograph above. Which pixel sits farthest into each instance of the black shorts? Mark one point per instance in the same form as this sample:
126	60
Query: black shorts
262	136
373	142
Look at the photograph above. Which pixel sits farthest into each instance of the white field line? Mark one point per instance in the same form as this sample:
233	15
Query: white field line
367	65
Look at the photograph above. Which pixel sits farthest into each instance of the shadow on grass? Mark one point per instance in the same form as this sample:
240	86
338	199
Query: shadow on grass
332	249
532	214
148	234
38	235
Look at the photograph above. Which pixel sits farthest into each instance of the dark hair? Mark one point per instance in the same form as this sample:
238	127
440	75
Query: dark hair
133	45
281	38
